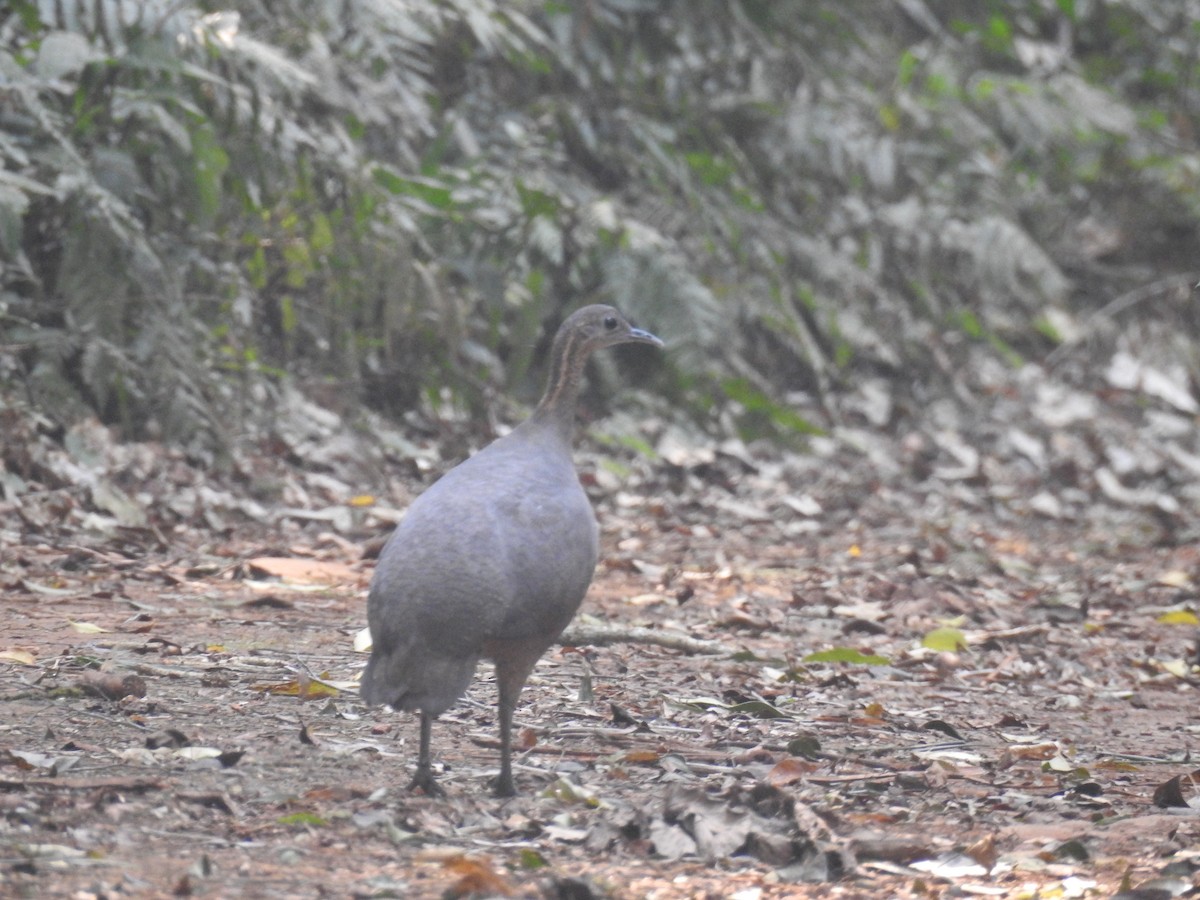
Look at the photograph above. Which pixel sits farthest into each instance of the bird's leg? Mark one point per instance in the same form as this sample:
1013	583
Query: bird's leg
424	777
503	785
510	679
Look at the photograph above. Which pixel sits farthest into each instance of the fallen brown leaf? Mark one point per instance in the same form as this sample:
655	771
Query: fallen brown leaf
302	571
476	877
111	685
789	771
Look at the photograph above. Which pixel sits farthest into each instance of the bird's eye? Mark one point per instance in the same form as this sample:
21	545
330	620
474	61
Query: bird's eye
610	322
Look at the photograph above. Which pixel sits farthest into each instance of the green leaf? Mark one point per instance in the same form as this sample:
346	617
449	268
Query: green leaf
945	640
1179	617
355	127
637	445
745	656
538	65
435	194
847	655
741	391
303	818
536	203
256	268
321	233
999	33
1046	329
760	709
287	314
970	324
566	791
712	170
531	860
615	466
535	281
299	263
29	15
984	88
908	66
209	164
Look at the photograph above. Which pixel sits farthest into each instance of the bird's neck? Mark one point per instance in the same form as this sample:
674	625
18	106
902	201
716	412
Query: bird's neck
556	409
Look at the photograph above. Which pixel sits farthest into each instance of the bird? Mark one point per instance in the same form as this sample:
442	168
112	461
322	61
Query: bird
493	560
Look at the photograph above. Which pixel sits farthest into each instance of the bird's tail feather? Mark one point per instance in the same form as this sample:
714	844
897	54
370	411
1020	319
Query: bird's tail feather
416	681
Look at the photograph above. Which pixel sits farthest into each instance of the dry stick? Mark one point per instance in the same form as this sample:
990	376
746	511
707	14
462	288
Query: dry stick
1122	303
688	752
31	694
182	671
86	784
1008	634
601	636
200	668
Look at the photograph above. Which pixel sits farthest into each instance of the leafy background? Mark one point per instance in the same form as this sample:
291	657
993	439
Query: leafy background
381	203
268	267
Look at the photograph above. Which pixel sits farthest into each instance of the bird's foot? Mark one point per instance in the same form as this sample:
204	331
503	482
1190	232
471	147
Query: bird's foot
425	782
502	785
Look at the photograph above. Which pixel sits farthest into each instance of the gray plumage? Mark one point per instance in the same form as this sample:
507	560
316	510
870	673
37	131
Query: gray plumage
493	560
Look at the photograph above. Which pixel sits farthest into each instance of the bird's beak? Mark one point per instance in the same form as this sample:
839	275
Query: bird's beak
645	337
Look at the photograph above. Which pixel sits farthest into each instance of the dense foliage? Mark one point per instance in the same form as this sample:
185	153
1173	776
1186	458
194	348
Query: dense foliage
196	199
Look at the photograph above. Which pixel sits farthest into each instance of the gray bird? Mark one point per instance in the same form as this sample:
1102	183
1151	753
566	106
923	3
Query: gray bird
493	560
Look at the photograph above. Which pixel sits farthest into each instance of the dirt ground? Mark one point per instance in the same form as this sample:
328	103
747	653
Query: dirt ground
907	684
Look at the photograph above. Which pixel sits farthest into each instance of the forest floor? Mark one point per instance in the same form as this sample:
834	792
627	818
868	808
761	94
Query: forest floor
915	683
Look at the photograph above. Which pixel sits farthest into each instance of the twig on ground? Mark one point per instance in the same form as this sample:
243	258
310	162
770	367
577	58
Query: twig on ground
602	636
